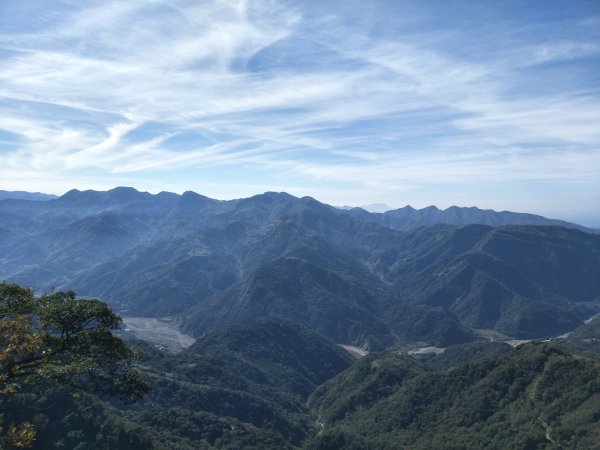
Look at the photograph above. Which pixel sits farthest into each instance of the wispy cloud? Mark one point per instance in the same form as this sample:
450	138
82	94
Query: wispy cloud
298	93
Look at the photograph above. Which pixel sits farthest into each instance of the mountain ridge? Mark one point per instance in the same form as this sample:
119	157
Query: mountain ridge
401	218
24	195
188	256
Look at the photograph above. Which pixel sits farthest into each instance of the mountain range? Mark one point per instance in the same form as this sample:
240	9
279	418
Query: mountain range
372	280
409	217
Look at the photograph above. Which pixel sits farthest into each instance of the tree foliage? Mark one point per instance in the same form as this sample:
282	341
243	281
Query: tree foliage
536	396
66	340
55	340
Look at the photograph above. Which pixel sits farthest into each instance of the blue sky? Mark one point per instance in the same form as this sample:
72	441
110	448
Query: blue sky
494	104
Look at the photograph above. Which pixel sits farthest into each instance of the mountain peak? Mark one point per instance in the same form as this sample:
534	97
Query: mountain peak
271	195
125	193
191	201
92	199
123	190
70	193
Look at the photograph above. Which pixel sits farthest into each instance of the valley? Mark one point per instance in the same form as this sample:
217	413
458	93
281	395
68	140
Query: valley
160	332
282	322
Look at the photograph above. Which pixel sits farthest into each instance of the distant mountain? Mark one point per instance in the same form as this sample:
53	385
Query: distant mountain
373	207
22	195
376	207
349	275
537	396
407	217
523	281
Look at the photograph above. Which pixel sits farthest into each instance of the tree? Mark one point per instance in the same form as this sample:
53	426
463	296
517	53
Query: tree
59	339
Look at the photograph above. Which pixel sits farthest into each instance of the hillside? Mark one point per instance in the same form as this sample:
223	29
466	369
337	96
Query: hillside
274	384
206	262
523	281
585	338
240	387
537	396
257	376
344	311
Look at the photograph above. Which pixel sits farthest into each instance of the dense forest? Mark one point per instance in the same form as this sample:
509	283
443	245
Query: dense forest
276	384
536	396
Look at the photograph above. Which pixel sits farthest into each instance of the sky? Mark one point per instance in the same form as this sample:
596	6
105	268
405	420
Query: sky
493	104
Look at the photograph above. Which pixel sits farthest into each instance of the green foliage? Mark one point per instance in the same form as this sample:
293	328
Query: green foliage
19	437
248	388
63	419
371	379
58	340
62	339
458	355
525	399
15	300
240	387
21	340
255	378
62	315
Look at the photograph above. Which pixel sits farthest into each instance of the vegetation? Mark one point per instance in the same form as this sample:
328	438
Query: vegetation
537	396
585	338
65	419
58	340
274	384
473	352
240	387
248	381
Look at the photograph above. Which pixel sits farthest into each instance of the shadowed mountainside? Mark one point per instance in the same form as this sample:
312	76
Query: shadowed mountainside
339	272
